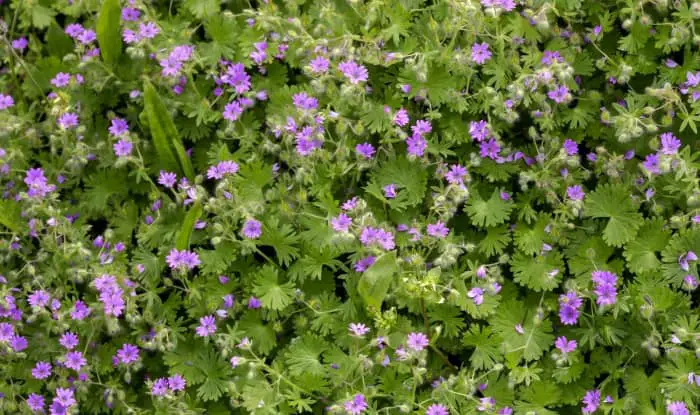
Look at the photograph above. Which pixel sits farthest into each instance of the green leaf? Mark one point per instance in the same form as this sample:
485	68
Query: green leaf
273	295
109	36
212	389
376	280
487	213
203	8
183	237
165	137
641	252
486	346
541	272
536	336
495	242
613	201
530	240
58	43
304	356
409	177
10	215
42	16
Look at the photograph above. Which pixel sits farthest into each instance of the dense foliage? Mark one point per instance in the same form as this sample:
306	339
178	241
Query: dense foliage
349	207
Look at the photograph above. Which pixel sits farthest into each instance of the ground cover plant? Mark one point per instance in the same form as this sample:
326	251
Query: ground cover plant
349	207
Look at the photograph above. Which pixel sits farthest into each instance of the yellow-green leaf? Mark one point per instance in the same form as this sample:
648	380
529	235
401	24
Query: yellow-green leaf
108	33
165	134
183	237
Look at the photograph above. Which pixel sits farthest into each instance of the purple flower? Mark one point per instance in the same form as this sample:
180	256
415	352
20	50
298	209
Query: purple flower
677	408
605	290
128	353
176	383
549	57
221	169
364	263
480	53
6	102
438	230
148	30
691	283
669	144
358	329
7	330
36	403
18	343
74	360
254	303
69	340
422	127
237	77
118	127
568	314
87	36
20	44
36	181
436	409
80	311
356	405
350	204
38	298
575	192
304	102
65	397
379	236
416	145
558	94
389	191
68	120
182	259
570	147
252	229
123	148
417	341
61	79
456	174
167	179
401	117
341	223
130	36
591	401
319	65
160	387
479	130
565	345
207	326
692	79
41	370
506	411
130	15
74	30
365	150
489	149
683	260
477	294
486	404
354	72
651	164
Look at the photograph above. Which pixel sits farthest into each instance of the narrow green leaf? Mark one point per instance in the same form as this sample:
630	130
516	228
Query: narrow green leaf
183	237
162	128
376	280
108	33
